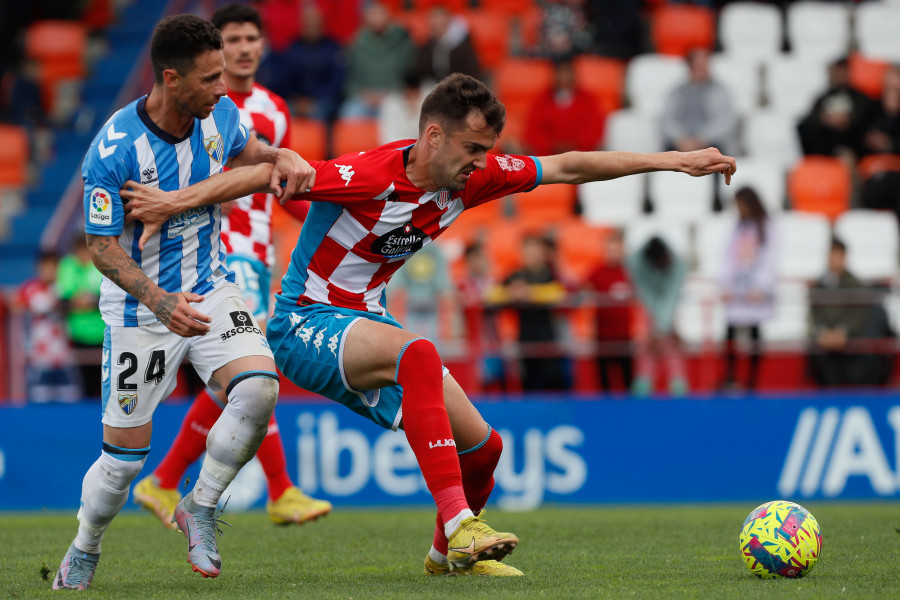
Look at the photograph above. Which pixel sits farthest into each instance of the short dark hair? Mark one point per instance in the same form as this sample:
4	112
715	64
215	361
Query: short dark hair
457	96
236	13
838	244
178	40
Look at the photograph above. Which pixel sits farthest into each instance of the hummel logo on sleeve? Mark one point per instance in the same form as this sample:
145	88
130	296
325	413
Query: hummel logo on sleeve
346	173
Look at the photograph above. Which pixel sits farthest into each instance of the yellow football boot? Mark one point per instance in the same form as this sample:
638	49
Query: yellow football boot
293	506
489	568
160	501
474	541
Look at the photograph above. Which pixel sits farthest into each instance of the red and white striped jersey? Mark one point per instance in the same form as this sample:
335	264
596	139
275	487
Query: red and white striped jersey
366	219
247	229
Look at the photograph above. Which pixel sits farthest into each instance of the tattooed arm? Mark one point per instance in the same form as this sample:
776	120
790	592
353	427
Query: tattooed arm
172	309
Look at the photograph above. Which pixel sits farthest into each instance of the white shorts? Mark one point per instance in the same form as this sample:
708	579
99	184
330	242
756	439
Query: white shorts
140	364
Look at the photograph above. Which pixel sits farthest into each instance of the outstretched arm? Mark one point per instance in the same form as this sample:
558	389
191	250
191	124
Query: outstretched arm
173	310
581	167
153	207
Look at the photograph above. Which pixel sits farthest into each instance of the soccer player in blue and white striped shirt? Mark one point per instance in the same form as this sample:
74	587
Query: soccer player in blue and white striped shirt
167	294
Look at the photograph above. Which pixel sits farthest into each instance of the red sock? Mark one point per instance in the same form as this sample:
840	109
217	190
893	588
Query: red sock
477	466
427	426
271	457
190	442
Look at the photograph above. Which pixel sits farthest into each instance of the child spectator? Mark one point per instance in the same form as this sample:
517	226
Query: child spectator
50	372
658	274
748	281
78	284
534	291
614	314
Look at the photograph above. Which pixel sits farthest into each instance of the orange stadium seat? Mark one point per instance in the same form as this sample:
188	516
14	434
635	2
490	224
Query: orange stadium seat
867	75
59	47
603	77
354	135
454	6
308	139
504	247
547	204
679	28
878	163
13	156
580	247
820	184
490	36
519	80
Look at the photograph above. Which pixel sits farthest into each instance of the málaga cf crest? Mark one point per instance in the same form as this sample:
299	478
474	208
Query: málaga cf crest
214	147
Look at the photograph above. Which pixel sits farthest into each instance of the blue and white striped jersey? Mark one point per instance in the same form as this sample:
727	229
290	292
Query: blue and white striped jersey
186	254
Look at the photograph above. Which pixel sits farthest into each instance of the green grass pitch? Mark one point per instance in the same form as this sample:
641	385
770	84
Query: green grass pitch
594	552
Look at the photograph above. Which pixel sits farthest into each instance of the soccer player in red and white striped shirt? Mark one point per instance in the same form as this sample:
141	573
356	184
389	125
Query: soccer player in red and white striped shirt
331	332
247	234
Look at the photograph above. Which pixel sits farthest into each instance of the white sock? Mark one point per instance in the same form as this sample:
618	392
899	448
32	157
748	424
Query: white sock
236	435
104	492
437	557
454	523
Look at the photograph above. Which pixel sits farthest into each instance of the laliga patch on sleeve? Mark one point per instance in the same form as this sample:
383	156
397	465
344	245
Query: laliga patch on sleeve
100	210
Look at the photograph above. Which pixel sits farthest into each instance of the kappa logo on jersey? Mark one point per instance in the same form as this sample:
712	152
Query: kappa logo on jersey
214	147
333	343
128	402
508	163
346	173
243	323
149	176
401	241
181	224
100	212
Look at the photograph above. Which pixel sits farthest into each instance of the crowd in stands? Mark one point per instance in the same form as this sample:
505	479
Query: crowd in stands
645	271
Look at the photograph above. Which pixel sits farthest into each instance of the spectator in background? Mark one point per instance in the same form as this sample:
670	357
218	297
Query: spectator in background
844	311
748	281
614	315
700	112
478	294
564	29
883	134
309	73
616	27
50	373
535	291
78	284
838	119
449	48
657	274
398	117
422	287
565	117
377	61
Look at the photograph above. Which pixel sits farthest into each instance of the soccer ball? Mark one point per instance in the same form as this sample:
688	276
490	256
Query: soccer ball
780	539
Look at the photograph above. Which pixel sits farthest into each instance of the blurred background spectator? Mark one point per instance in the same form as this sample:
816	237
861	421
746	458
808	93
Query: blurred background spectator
839	118
564	29
843	313
478	294
51	374
657	274
424	294
534	291
700	112
309	72
564	117
448	49
379	57
78	284
748	283
614	313
398	116
883	134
